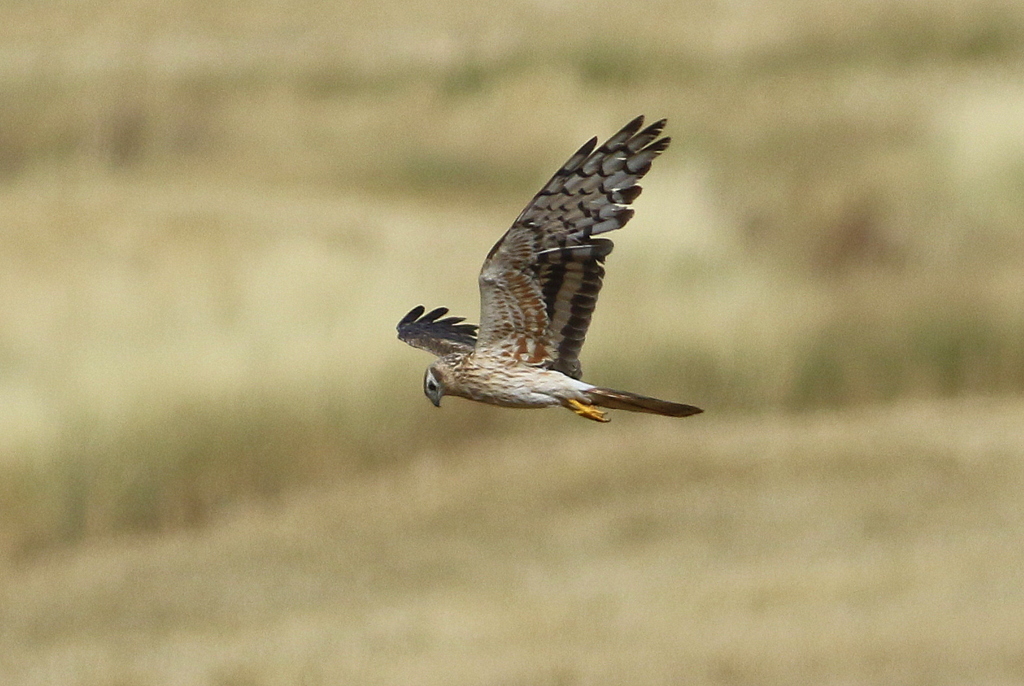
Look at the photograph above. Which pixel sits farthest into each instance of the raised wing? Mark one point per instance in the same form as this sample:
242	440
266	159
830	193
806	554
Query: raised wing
439	336
540	281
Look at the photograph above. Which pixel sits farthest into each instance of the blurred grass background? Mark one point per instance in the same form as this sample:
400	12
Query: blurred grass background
214	213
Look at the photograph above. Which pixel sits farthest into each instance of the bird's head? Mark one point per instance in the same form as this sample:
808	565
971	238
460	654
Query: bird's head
434	381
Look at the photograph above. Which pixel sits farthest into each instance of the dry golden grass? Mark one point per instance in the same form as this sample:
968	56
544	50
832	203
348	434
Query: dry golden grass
877	546
213	215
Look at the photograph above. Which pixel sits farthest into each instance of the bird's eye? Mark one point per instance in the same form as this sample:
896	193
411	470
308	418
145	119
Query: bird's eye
430	383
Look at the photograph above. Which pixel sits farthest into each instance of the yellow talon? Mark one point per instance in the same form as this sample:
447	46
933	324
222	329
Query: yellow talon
588	411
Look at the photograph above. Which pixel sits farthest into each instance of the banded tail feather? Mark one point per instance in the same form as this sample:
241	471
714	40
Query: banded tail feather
623	400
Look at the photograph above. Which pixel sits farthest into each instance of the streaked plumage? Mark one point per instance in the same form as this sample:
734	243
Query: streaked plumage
538	289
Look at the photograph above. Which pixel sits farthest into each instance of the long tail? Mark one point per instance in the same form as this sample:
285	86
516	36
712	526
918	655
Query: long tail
621	400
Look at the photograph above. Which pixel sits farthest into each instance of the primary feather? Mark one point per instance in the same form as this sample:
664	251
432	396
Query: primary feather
439	336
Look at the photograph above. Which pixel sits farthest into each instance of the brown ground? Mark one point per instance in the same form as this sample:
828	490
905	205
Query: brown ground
879	546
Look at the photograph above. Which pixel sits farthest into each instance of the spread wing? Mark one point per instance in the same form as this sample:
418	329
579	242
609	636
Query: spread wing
439	336
540	281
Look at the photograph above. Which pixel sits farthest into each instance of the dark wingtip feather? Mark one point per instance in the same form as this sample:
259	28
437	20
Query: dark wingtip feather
579	157
432	333
654	129
660	145
434	314
413	315
627	195
635	123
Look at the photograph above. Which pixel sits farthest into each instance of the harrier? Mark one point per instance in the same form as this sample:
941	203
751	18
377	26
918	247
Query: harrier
538	289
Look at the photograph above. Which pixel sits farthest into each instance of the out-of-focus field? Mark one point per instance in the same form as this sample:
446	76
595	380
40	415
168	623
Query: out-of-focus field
216	462
876	546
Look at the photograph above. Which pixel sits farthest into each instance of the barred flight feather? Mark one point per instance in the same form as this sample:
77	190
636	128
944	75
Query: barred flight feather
571	279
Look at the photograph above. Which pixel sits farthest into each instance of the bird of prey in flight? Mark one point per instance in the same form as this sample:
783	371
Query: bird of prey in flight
538	289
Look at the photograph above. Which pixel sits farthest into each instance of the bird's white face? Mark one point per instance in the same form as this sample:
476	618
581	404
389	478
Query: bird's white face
433	386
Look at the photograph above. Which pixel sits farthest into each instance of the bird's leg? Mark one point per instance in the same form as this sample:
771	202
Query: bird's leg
588	411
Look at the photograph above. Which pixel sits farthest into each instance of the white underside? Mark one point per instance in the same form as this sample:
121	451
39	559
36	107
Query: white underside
544	388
